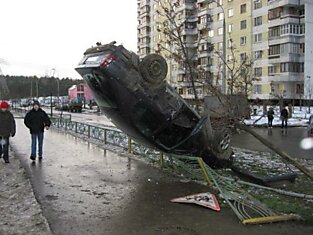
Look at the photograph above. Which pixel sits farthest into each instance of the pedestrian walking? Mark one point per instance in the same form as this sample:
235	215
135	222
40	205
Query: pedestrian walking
284	117
270	117
7	129
37	121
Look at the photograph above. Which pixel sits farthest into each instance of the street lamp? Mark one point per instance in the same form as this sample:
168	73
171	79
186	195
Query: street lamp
58	82
224	46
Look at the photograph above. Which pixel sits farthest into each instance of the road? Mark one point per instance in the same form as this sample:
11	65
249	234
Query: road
86	190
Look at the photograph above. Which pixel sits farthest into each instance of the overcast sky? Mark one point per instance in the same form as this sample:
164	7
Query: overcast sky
39	35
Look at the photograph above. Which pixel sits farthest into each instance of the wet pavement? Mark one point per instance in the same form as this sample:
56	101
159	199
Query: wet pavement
287	139
20	213
87	190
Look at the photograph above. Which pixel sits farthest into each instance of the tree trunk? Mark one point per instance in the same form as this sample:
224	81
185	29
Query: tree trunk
277	150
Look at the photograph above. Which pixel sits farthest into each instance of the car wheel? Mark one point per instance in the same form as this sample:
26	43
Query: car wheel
222	140
153	68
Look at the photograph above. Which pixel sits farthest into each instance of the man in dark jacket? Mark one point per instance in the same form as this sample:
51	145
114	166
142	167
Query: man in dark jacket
270	117
284	117
36	121
7	129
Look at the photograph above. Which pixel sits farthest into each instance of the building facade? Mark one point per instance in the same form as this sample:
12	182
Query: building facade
274	35
80	92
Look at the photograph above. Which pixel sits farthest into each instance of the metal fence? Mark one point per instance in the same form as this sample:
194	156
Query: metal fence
22	112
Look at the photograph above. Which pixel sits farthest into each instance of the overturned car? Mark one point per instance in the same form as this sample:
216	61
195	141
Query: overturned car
136	97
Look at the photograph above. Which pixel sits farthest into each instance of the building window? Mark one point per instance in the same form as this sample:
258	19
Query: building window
230	28
257	89
258	72
271	70
292	67
243	40
230	12
220	45
243	8
258	37
220	31
299	89
211	33
229	43
243	24
257	4
203	20
190	91
220	16
258	54
274	50
302	46
243	57
275	13
257	21
274	32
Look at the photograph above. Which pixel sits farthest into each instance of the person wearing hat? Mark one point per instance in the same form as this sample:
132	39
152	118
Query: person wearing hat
7	129
37	120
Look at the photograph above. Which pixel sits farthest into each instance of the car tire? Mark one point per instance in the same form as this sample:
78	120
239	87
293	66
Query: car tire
222	140
153	69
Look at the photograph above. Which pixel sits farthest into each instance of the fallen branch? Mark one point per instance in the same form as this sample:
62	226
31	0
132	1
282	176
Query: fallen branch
277	150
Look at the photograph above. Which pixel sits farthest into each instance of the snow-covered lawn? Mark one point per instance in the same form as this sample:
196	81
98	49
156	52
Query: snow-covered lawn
299	117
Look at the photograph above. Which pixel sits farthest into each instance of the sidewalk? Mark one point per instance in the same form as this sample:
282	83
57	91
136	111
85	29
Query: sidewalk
20	213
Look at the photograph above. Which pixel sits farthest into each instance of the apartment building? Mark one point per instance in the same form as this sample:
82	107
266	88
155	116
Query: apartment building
274	34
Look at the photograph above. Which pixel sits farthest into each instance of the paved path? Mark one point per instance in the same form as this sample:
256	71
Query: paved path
288	140
86	190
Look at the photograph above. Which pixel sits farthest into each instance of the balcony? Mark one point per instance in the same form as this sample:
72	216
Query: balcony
191	19
193	31
287	77
272	4
204	53
285	39
284	19
205	67
203	26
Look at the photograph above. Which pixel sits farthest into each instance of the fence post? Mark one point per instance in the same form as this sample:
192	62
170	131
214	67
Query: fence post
105	136
129	144
88	131
76	127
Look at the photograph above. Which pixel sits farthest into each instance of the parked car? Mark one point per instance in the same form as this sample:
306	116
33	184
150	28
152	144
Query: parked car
135	95
75	105
62	107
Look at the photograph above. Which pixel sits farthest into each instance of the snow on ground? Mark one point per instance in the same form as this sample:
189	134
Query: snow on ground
299	117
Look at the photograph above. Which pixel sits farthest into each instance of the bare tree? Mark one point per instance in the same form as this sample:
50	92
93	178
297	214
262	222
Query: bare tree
240	77
173	28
